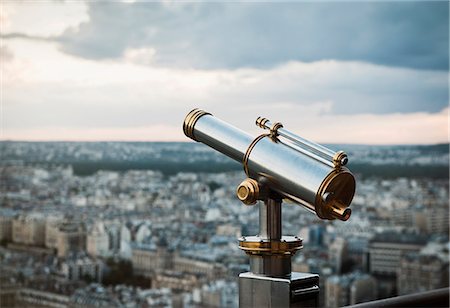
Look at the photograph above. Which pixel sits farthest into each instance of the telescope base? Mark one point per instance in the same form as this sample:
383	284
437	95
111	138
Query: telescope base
300	290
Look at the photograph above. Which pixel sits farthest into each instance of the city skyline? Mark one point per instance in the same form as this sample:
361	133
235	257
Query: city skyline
135	235
358	73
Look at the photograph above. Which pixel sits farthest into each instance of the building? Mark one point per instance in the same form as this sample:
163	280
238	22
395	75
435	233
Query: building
363	289
338	254
314	259
6	221
28	230
337	290
198	267
358	251
27	297
315	235
97	242
220	293
8	290
432	220
387	248
403	216
44	291
125	240
424	270
51	233
175	280
228	230
71	237
95	295
142	232
426	219
65	237
81	268
147	258
385	252
114	239
349	289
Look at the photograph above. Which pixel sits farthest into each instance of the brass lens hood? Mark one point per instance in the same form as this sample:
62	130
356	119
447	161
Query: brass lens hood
190	120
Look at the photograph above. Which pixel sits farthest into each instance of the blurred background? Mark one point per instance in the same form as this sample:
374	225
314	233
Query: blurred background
104	201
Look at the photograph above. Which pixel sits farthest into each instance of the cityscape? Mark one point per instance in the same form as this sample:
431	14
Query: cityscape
105	202
156	225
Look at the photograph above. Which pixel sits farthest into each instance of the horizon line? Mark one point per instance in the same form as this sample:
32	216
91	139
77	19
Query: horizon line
191	141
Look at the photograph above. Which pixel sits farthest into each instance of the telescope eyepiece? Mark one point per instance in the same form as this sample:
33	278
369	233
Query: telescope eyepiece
340	211
336	208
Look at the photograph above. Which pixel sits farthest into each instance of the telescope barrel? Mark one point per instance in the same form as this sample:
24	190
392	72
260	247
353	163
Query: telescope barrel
217	134
303	174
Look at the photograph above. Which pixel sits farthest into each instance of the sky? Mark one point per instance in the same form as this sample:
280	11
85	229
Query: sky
333	72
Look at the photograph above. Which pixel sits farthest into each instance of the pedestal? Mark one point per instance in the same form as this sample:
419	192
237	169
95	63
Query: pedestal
299	290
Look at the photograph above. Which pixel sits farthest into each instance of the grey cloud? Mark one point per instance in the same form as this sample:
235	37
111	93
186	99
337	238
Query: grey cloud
294	93
15	35
218	35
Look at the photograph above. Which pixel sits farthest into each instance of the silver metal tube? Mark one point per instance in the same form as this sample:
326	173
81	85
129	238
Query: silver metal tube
307	144
270	219
287	170
309	207
317	148
222	137
302	150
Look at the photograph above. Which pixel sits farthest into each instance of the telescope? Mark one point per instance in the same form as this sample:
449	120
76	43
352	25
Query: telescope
279	166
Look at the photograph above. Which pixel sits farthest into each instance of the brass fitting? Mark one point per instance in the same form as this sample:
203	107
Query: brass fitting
261	122
331	202
249	151
274	129
255	245
190	120
339	211
340	159
248	191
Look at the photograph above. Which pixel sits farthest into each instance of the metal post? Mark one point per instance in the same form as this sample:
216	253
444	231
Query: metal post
270	282
270	229
270	219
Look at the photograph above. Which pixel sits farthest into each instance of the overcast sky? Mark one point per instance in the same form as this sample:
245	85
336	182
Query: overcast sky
372	73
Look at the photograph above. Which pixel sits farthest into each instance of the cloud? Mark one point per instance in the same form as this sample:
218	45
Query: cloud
333	72
49	95
41	19
18	35
262	35
143	56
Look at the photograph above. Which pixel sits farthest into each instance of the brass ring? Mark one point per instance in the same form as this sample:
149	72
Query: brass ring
255	245
338	159
190	120
249	150
274	129
319	203
261	122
